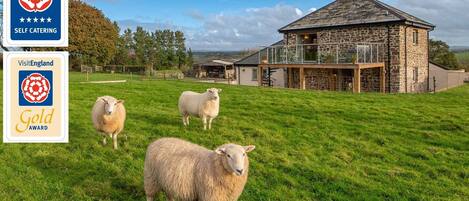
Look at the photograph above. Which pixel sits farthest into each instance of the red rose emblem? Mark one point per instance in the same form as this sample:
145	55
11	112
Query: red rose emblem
35	88
35	5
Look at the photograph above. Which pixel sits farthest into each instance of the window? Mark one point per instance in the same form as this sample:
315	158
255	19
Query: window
416	37
416	75
254	74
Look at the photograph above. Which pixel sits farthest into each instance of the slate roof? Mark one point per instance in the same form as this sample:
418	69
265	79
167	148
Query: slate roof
354	12
217	63
253	59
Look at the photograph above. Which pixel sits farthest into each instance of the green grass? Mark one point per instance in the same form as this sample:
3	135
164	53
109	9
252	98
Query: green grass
310	145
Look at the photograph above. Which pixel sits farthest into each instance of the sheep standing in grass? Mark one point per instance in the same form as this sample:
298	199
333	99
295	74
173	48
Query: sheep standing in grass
205	106
188	172
108	117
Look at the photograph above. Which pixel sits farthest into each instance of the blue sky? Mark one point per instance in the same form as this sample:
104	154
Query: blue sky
179	11
245	24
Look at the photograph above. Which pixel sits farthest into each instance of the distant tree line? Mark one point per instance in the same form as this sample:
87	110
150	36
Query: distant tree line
441	54
96	40
164	49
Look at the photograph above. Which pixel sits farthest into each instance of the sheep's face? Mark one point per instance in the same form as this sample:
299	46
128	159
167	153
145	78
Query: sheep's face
235	157
110	105
213	93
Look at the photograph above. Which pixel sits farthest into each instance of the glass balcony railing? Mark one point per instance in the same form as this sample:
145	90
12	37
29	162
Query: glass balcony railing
340	53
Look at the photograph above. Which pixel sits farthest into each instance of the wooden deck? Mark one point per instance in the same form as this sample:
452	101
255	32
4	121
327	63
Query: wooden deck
355	67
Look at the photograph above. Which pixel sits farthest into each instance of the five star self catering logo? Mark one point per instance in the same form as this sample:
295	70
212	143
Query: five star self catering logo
35	23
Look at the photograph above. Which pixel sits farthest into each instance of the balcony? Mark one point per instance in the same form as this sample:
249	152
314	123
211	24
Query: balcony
337	59
333	53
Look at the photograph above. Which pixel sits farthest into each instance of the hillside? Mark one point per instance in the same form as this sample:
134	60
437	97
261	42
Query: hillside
310	145
463	59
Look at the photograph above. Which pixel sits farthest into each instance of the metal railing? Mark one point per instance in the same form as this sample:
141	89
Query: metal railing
333	53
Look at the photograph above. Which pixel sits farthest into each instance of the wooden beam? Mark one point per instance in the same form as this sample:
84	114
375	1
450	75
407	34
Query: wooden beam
290	77
259	75
323	66
382	79
302	79
371	65
356	81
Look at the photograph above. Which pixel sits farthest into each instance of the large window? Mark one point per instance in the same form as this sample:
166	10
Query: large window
416	37
254	74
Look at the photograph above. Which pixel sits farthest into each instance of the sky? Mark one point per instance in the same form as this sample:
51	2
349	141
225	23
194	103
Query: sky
229	25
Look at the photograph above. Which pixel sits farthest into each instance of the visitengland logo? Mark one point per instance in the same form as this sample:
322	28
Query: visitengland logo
35	88
35	91
35	5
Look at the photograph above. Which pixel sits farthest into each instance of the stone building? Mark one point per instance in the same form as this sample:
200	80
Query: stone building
353	45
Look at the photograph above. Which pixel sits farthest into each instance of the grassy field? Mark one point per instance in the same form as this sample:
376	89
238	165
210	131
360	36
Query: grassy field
310	145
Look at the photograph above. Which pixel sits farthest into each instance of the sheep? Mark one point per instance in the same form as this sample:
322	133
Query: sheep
108	117
189	172
205	106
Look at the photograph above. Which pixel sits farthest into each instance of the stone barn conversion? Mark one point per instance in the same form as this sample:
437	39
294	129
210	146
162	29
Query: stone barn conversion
351	45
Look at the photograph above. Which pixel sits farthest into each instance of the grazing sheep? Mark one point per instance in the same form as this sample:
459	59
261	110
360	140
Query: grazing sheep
188	172
205	106
108	117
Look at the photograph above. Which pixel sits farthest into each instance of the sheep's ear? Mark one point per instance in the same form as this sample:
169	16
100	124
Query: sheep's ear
220	151
104	100
249	148
120	102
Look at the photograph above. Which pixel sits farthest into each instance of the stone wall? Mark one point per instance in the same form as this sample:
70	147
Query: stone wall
397	75
416	62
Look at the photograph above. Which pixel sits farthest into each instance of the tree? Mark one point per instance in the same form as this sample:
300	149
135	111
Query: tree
93	37
441	54
180	49
122	53
140	38
189	59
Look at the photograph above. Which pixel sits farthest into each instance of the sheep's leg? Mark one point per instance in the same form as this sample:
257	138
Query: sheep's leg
210	123
114	140
150	185
204	119
151	190
184	120
104	140
187	119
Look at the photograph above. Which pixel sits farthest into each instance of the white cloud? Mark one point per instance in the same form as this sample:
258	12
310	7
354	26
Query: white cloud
298	12
249	28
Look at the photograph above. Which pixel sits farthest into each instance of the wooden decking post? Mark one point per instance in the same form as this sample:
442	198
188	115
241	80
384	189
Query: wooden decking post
259	75
290	77
356	81
302	78
382	79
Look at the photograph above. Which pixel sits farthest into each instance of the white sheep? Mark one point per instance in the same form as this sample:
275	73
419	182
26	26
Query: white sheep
205	106
188	172
108	117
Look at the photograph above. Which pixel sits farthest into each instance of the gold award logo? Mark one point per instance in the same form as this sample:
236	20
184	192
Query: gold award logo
35	91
